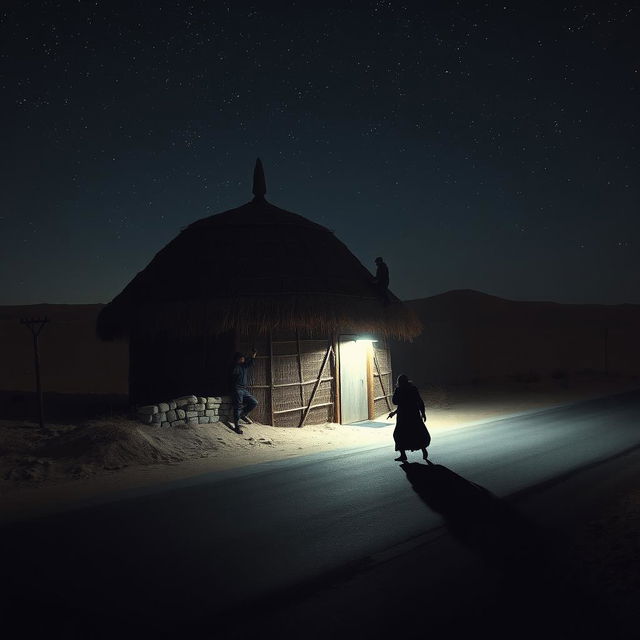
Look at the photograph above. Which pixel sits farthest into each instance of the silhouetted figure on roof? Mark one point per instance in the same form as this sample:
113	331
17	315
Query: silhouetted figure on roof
411	432
381	279
382	274
243	401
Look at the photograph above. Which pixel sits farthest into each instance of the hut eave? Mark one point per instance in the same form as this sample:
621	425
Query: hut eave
326	314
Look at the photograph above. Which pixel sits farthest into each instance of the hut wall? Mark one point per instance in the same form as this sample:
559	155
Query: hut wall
283	378
382	378
166	367
286	372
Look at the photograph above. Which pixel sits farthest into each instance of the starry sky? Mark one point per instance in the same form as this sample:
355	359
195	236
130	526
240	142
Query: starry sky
482	145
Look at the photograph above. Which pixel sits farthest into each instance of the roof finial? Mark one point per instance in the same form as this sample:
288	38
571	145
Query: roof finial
259	183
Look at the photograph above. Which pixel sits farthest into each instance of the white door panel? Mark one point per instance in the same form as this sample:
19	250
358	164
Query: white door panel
353	380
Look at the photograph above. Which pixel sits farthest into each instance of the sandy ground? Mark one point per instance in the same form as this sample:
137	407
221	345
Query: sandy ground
43	472
93	462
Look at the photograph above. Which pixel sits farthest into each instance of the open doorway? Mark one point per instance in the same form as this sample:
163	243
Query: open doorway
354	379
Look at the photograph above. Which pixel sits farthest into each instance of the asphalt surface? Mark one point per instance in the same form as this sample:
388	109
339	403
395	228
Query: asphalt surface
226	550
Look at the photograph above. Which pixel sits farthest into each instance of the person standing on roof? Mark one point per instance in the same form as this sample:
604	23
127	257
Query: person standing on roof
381	279
243	401
382	274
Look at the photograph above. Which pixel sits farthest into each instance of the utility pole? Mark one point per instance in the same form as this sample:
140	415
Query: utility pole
36	325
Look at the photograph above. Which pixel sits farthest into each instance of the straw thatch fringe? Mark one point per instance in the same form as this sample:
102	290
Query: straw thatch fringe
318	314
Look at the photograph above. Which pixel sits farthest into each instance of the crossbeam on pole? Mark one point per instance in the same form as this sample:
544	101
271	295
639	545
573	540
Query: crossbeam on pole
35	325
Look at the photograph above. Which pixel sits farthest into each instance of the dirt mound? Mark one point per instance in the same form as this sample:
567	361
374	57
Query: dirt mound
31	456
110	446
119	443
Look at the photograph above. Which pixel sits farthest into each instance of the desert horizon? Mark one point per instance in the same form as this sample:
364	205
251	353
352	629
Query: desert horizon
468	335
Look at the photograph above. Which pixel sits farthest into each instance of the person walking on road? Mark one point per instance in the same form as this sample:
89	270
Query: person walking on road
411	432
243	401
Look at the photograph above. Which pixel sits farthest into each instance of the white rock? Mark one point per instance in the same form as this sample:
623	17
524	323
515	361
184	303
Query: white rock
148	410
165	424
181	413
192	420
178	423
192	414
163	407
172	415
211	412
172	405
204	420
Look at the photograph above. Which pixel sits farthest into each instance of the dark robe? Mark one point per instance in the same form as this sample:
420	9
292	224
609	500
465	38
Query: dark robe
411	432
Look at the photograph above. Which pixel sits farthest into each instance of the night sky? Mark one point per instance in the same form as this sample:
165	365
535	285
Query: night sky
491	146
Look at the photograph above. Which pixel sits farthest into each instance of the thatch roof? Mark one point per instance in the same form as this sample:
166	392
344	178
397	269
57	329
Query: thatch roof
257	268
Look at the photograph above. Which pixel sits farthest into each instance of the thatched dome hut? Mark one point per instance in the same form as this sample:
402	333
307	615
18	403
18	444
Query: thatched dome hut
257	276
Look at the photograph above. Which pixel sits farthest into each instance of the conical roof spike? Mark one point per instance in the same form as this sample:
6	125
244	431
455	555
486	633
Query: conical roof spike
259	183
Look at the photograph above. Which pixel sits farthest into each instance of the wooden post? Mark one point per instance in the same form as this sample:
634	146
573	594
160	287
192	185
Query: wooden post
384	391
302	402
35	332
337	407
271	377
606	351
370	385
316	385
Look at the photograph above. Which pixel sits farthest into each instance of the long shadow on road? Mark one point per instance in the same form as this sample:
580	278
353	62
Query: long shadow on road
531	591
537	593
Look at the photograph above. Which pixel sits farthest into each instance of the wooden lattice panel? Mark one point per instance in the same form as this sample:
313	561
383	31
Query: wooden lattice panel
286	375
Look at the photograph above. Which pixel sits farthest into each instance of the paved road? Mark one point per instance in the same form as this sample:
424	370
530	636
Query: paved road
192	553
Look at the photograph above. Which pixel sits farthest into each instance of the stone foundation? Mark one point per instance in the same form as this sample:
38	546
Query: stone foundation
187	410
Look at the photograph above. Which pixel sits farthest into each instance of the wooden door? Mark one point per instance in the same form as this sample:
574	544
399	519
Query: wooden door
354	400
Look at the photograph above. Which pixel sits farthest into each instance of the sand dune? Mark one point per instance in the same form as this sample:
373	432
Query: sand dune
73	360
473	336
468	336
